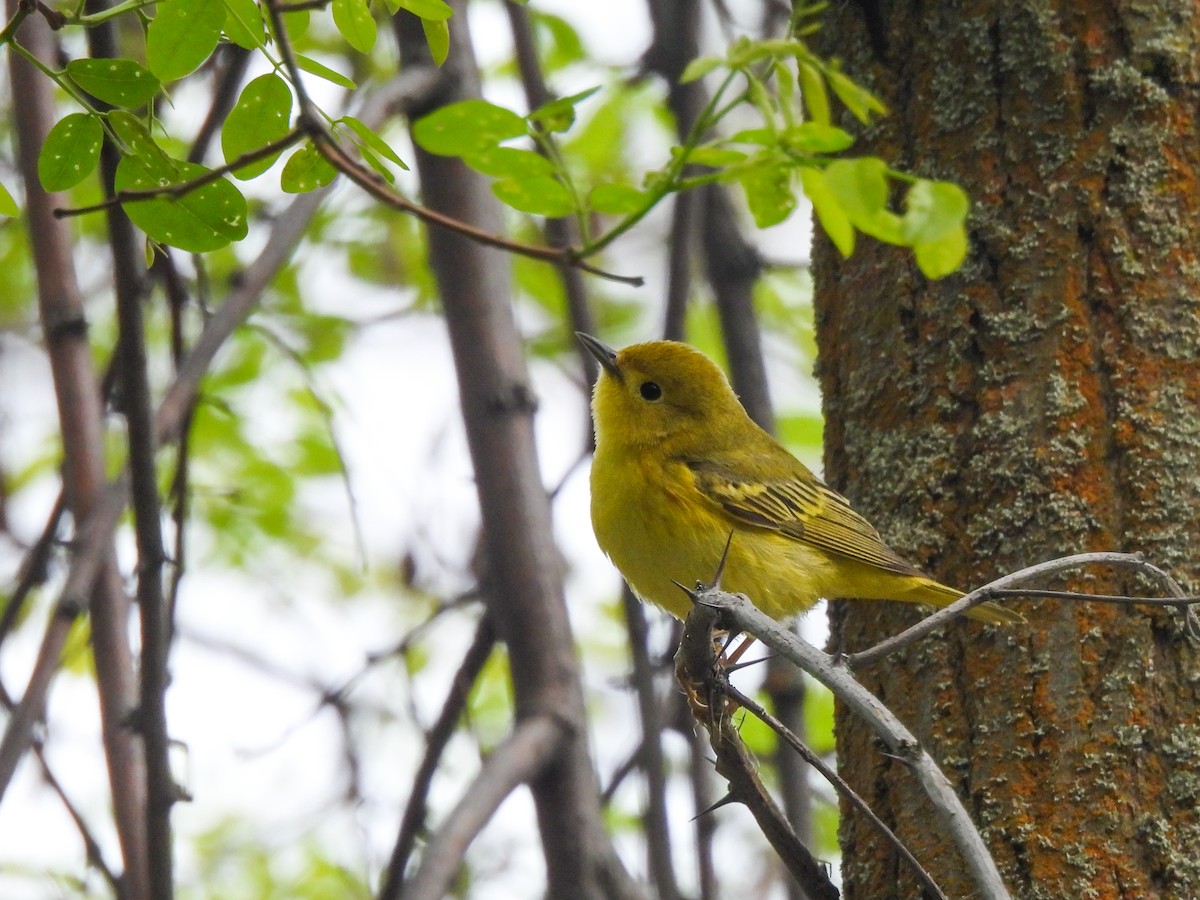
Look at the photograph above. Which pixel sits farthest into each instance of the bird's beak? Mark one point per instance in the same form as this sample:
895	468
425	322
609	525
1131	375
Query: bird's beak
605	355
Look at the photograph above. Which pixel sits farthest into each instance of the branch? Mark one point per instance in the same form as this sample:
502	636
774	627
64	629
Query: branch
366	179
521	758
840	785
413	821
740	613
997	589
81	418
183	188
33	569
700	674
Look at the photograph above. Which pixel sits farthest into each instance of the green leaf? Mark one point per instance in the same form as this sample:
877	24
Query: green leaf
437	36
769	194
261	115
306	171
764	137
559	115
813	137
71	151
466	128
353	19
243	23
509	162
698	68
539	196
370	139
829	210
205	219
861	188
377	164
121	82
559	43
135	136
933	209
814	94
616	199
434	10
943	256
861	102
312	67
717	157
8	206
182	36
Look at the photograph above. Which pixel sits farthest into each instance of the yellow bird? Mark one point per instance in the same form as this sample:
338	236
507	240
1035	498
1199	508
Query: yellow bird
679	466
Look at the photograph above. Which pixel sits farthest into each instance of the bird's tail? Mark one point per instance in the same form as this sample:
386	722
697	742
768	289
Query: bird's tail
935	594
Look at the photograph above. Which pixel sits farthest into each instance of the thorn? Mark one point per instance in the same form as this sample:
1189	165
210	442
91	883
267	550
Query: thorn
749	662
724	801
692	595
716	584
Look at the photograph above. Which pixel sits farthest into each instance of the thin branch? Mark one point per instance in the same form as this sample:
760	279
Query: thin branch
413	821
701	676
136	404
183	188
840	784
231	65
521	758
369	181
740	613
983	594
560	232
650	756
33	569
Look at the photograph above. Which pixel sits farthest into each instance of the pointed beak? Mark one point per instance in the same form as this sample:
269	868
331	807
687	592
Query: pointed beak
605	355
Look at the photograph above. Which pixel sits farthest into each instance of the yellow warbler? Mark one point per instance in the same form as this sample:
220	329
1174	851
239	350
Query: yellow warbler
679	466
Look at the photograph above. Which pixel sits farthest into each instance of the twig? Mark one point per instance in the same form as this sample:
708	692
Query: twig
839	783
33	568
183	188
413	821
650	755
988	591
702	678
521	758
739	612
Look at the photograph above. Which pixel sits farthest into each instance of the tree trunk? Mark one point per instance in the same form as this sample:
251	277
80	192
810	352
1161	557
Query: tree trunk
1042	401
523	584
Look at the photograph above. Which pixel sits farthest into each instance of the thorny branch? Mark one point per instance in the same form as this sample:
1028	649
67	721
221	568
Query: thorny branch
701	675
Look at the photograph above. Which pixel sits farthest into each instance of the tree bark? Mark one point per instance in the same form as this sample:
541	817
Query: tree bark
1043	400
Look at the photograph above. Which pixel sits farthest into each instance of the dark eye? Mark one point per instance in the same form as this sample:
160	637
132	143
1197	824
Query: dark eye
650	391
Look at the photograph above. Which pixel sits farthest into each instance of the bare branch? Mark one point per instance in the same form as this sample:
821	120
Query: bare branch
520	759
830	774
702	677
989	591
413	821
740	613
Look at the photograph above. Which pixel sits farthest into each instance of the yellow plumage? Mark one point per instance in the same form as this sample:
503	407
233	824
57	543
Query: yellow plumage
679	465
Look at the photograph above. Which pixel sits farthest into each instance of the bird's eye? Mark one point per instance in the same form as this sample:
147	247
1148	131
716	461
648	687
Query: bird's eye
650	391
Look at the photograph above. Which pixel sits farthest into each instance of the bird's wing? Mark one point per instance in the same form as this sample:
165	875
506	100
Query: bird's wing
802	509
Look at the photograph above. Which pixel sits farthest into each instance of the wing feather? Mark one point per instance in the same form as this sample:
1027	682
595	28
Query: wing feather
802	509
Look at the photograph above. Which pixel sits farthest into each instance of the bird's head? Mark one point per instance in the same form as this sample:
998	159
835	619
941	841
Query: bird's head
660	391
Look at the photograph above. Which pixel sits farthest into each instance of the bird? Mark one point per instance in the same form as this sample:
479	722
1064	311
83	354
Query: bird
682	478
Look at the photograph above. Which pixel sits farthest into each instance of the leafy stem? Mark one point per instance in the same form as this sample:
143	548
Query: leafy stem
671	178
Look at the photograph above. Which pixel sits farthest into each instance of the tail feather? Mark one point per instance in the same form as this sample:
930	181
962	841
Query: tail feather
934	594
